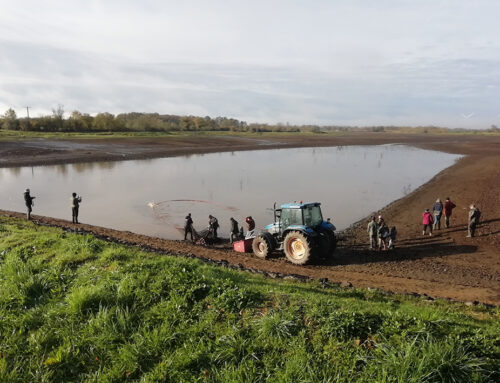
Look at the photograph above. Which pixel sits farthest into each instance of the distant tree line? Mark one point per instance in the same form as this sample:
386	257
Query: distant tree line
155	122
131	122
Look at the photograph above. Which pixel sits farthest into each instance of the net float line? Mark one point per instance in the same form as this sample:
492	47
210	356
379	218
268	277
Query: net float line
164	217
226	207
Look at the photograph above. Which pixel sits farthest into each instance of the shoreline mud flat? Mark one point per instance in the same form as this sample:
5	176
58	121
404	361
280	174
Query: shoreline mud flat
446	265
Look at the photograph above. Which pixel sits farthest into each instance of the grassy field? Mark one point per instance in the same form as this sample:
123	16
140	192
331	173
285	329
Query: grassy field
77	309
17	134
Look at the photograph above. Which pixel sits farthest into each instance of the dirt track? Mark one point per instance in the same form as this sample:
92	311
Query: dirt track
446	265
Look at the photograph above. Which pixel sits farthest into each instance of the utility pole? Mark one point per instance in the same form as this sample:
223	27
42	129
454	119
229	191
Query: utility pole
28	111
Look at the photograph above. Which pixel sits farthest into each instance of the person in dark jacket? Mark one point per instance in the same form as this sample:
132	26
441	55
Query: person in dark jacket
28	200
474	215
188	227
213	225
235	232
383	235
75	206
448	208
392	237
438	212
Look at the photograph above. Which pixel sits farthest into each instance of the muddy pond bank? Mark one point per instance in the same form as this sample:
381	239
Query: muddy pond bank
447	265
33	152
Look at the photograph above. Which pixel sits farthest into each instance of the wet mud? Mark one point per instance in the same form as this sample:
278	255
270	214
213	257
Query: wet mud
446	265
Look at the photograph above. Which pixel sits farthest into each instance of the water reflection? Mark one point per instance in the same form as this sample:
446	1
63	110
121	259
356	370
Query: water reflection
14	171
351	182
62	169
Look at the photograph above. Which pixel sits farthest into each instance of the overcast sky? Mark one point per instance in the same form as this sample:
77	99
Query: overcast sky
354	62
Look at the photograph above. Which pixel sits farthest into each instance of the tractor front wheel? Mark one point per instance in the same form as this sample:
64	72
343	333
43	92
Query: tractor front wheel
261	246
297	248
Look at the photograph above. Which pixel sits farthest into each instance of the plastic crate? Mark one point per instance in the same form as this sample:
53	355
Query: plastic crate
244	246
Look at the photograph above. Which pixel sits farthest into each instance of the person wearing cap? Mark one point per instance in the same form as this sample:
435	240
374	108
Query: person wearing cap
427	221
474	215
372	230
75	206
28	200
235	232
438	212
448	207
213	225
188	227
250	223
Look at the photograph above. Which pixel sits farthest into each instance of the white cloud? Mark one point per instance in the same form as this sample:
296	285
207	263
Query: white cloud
342	62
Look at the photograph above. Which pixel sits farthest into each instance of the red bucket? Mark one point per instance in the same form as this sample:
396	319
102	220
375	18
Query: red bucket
244	246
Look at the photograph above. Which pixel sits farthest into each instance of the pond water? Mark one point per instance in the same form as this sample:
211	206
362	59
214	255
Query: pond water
153	196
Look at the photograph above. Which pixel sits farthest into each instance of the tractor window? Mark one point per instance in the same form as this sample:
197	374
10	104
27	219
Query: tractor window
312	216
291	217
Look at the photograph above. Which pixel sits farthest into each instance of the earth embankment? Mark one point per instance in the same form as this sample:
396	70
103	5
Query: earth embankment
447	265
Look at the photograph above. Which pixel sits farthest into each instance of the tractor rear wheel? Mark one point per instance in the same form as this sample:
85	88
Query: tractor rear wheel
261	246
297	248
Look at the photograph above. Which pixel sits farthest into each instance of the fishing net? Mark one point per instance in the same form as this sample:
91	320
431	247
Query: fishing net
173	212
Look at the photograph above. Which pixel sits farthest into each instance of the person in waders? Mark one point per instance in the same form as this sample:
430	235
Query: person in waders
213	225
28	200
75	206
188	227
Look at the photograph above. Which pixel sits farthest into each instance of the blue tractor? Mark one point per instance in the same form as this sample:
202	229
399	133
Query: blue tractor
300	231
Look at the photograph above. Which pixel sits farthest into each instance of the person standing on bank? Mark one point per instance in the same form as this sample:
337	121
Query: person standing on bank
250	226
438	211
448	207
235	232
427	222
372	230
28	200
213	225
188	227
383	235
75	206
474	215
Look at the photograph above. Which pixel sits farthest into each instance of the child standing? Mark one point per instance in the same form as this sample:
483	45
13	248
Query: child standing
427	221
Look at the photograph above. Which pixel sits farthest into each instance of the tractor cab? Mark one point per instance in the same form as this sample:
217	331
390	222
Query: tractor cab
298	216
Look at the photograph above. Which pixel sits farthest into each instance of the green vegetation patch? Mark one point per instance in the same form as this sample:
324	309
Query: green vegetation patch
77	309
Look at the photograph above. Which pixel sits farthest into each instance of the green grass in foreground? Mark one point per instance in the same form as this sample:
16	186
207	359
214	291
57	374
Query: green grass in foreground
77	309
